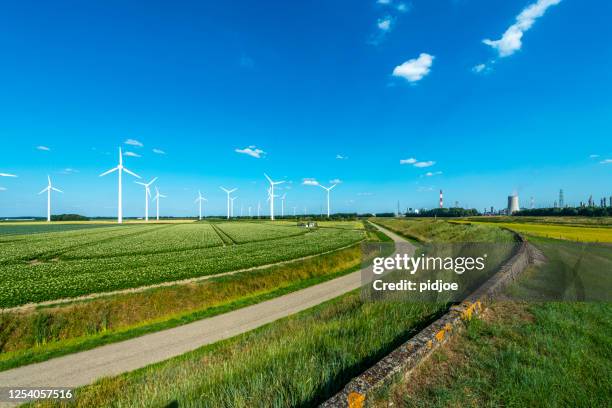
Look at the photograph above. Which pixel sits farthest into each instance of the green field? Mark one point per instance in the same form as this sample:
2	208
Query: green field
48	266
440	231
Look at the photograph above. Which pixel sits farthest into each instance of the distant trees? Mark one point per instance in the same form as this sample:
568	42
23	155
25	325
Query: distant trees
567	212
69	217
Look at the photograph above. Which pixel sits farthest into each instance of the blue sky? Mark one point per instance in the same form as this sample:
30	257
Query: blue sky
487	97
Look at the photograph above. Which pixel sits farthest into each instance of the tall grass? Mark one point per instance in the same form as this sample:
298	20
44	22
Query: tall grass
297	361
440	231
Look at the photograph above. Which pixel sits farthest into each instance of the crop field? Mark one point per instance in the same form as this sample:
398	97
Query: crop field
557	231
258	231
48	266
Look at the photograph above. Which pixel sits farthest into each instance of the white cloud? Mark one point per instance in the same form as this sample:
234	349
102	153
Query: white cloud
7	175
251	151
384	24
310	182
158	151
69	170
335	181
384	2
131	154
402	7
341	157
479	68
133	142
511	40
431	174
43	148
2	189
415	69
365	194
607	161
424	164
593	156
411	160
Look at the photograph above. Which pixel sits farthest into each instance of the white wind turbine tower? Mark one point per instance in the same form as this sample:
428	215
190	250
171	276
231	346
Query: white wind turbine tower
120	169
200	200
156	199
258	208
147	196
232	206
294	211
283	204
328	189
228	192
48	190
271	195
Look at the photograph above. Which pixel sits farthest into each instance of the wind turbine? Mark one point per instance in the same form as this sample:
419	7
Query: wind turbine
48	190
228	192
147	196
283	205
271	195
258	208
328	189
249	211
232	206
156	198
200	200
294	211
120	169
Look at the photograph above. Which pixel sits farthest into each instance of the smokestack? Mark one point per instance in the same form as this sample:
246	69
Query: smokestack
441	199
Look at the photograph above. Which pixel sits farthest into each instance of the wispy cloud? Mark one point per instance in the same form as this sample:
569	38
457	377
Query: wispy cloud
341	157
593	156
479	68
158	151
252	151
424	164
606	161
131	154
383	2
414	69
335	181
7	175
310	182
423	189
43	148
2	189
68	170
133	142
384	23
365	194
512	39
431	174
417	163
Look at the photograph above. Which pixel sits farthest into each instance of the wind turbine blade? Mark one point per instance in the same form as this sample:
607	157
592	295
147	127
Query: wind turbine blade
49	179
322	186
279	182
332	187
142	184
235	189
269	179
129	172
109	171
7	175
148	192
224	189
56	189
152	181
45	189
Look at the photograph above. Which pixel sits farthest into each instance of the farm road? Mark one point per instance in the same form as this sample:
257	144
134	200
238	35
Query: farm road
85	367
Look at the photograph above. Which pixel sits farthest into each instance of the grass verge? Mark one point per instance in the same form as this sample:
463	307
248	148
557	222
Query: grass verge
296	361
519	355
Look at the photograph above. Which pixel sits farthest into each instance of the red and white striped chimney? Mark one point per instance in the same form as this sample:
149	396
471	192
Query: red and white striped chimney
441	199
